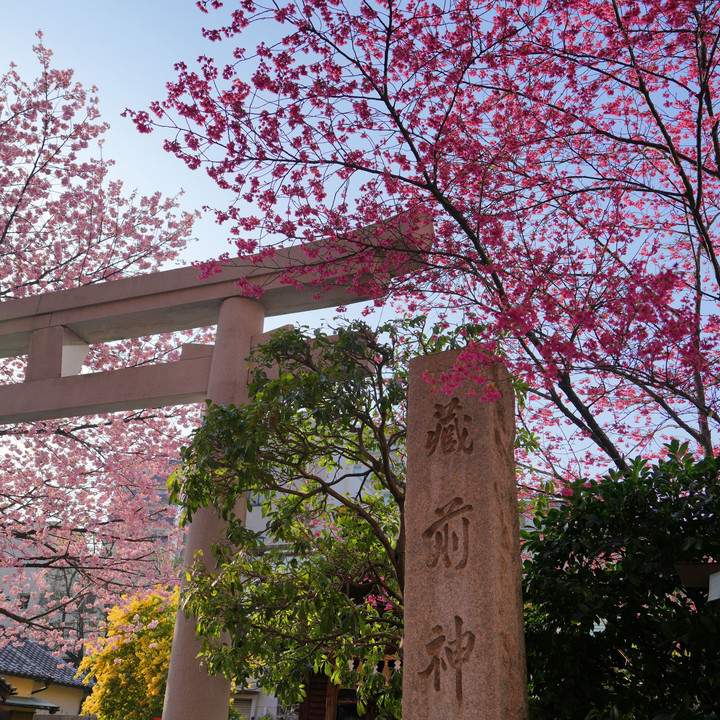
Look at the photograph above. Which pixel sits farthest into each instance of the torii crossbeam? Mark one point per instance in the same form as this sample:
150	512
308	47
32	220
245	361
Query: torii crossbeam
55	331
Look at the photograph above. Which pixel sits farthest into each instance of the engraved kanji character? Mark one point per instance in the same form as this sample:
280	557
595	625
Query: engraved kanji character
449	653
435	648
448	435
450	544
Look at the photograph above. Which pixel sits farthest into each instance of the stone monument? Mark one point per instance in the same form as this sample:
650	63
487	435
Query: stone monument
464	650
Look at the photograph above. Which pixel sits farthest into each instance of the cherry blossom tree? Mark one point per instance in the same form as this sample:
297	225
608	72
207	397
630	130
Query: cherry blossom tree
83	514
567	153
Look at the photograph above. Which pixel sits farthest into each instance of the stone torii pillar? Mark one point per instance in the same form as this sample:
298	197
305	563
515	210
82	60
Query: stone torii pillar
55	331
239	320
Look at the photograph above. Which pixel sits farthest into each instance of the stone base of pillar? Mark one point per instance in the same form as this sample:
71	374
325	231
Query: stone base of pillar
188	681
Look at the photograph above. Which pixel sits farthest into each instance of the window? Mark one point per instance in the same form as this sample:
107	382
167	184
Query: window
244	706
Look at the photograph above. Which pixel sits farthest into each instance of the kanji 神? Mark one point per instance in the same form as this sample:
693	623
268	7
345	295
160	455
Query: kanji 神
449	653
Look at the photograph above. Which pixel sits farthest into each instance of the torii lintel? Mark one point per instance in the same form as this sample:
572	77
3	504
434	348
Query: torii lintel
56	329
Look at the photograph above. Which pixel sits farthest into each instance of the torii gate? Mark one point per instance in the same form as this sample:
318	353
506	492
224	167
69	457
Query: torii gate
55	331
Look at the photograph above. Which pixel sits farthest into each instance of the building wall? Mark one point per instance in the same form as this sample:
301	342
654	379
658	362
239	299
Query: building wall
255	704
67	698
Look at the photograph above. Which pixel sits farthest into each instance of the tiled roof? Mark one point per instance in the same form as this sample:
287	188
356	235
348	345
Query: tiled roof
32	660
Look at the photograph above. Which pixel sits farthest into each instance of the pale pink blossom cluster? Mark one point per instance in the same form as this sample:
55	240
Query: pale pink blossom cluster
83	509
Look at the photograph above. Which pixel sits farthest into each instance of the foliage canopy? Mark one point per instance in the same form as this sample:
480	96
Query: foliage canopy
609	626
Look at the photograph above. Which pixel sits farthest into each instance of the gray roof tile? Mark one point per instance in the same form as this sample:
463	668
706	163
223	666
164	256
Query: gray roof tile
32	660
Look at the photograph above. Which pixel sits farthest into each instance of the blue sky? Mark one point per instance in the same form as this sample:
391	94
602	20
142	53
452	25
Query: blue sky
127	50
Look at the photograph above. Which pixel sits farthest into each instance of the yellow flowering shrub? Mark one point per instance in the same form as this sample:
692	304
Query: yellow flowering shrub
130	664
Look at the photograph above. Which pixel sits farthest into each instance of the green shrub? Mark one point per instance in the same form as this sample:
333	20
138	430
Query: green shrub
611	632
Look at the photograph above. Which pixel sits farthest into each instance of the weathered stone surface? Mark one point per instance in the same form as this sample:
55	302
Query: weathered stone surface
464	654
54	352
191	693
